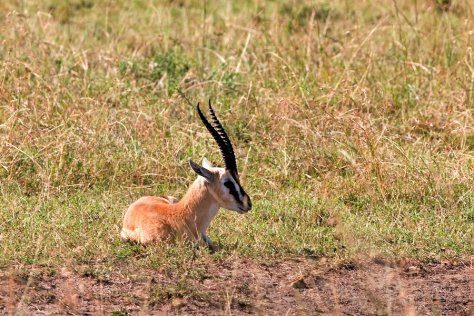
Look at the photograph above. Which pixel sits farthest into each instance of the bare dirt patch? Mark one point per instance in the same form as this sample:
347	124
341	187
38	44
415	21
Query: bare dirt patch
241	286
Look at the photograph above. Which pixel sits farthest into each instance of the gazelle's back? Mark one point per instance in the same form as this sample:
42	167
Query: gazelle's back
149	218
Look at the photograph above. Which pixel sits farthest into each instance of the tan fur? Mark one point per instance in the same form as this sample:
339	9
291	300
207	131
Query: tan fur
152	218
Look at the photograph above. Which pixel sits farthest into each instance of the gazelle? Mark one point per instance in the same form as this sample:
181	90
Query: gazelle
153	218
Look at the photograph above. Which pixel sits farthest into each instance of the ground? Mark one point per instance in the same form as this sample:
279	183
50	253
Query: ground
238	286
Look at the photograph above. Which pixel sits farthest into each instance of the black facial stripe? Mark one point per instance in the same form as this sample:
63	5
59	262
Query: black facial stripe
230	185
241	189
242	192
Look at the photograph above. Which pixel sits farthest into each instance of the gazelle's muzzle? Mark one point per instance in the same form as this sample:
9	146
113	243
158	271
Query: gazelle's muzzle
246	204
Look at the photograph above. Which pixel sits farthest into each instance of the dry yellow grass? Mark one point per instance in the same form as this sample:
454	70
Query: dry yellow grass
353	124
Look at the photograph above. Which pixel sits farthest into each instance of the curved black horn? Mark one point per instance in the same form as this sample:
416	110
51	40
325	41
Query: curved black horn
227	155
220	129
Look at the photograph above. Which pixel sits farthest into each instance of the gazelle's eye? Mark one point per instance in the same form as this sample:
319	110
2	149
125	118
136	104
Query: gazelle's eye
232	190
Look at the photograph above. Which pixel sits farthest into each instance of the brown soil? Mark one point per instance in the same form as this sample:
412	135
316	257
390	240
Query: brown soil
239	287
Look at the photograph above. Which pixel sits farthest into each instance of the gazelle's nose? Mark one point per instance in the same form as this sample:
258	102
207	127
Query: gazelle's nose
247	205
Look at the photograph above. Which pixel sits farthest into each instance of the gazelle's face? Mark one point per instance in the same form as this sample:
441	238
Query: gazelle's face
225	189
232	194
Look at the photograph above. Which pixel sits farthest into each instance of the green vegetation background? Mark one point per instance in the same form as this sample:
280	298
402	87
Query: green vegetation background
353	125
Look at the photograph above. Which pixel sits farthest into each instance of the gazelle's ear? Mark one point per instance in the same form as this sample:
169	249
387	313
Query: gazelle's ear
203	172
206	163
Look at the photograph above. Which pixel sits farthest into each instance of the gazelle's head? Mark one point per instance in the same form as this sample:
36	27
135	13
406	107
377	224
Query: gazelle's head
223	183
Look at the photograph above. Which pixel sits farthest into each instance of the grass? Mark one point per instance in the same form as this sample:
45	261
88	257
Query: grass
353	126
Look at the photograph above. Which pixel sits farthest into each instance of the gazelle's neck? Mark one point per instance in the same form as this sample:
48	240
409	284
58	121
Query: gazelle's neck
199	206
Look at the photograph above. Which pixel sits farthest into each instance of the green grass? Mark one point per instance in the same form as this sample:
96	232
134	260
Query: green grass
353	126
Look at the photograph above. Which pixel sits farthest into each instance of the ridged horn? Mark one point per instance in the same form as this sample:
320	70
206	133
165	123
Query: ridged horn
221	138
